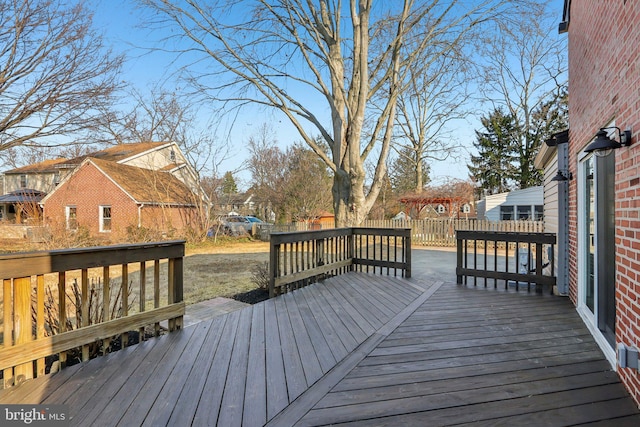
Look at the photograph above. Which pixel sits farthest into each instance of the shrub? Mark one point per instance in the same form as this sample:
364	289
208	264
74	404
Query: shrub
260	275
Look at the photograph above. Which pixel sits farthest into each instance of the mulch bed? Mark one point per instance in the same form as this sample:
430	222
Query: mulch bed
252	297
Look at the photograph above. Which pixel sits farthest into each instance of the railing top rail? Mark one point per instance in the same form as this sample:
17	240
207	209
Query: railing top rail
406	232
23	264
507	236
296	236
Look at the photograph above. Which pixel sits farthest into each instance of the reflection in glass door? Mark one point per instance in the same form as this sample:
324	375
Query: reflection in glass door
589	215
598	242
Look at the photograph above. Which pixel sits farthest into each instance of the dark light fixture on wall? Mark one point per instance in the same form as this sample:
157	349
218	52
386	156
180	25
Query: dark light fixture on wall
562	176
603	143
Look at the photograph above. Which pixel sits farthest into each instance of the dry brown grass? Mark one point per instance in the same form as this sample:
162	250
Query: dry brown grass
221	270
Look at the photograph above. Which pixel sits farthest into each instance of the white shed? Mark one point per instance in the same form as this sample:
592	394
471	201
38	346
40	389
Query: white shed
525	204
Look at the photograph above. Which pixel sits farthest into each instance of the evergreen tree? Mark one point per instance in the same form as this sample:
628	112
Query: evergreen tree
229	185
551	117
494	168
409	172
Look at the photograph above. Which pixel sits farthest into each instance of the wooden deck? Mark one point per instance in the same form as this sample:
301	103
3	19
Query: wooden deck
357	349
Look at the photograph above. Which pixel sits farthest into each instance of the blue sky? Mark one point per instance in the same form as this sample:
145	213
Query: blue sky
120	21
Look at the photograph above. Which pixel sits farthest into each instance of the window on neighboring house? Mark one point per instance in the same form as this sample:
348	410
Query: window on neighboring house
441	209
71	216
56	178
538	212
466	208
23	181
105	218
172	156
506	213
524	212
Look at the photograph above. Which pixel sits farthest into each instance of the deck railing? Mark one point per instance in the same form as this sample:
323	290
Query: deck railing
300	258
56	301
516	259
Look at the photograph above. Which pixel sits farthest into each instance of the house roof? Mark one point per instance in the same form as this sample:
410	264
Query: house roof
118	152
146	186
45	166
114	154
24	195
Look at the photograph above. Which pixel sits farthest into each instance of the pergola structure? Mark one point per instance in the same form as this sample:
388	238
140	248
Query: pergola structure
417	203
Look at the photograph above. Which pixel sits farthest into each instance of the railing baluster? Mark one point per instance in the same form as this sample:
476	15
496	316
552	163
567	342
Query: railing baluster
62	313
84	309
156	292
40	364
22	323
7	296
143	295
106	304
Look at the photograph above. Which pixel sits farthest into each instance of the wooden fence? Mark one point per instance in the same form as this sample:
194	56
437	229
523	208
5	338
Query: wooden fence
49	306
301	258
513	258
426	232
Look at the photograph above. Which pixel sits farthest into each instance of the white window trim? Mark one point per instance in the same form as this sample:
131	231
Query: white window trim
101	217
67	212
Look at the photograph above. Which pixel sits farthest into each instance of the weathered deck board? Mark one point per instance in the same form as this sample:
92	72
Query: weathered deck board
209	403
506	363
358	349
174	369
179	409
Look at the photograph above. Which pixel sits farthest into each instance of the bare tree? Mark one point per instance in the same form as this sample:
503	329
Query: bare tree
525	73
54	72
320	63
434	96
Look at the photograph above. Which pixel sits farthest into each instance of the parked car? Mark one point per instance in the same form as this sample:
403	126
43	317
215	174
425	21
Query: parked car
235	225
253	219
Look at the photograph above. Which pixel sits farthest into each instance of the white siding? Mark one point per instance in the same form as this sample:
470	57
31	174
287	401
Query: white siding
531	196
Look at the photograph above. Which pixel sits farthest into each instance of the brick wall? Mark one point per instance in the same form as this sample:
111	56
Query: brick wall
604	86
89	189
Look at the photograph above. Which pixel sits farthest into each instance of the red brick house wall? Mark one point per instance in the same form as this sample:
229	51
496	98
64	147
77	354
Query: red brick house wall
604	85
89	188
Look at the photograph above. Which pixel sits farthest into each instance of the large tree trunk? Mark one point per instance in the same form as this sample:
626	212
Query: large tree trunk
349	202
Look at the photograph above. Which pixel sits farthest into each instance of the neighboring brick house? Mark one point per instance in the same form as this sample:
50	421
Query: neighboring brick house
106	198
164	159
604	192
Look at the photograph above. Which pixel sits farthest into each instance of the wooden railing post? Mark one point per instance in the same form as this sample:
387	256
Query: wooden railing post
407	260
22	325
459	259
274	262
176	287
